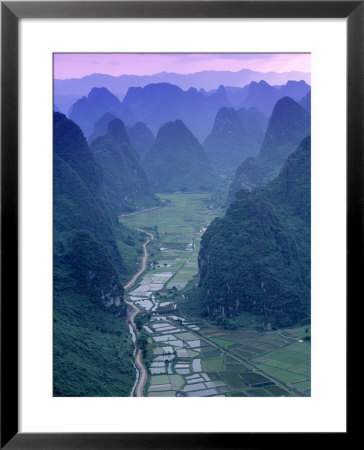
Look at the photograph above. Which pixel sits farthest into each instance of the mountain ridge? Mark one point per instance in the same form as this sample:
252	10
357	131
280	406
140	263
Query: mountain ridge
87	110
231	139
287	126
185	165
66	91
93	256
256	258
126	185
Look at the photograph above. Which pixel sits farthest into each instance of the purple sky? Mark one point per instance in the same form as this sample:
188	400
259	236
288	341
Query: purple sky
77	65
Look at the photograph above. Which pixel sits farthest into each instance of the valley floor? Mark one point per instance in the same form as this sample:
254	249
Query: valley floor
190	356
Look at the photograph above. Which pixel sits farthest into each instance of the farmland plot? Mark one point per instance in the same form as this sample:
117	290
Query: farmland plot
206	360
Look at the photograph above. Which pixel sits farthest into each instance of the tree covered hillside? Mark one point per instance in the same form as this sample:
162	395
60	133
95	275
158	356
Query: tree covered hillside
256	258
232	139
141	138
93	258
100	127
288	125
177	161
126	185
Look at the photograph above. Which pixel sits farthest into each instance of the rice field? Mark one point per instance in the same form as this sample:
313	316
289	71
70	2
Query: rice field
190	357
204	366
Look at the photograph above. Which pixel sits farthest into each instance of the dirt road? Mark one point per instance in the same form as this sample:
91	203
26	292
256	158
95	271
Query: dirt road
143	374
144	260
138	212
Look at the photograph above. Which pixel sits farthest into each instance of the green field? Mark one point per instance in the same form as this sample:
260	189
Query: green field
212	365
222	342
234	380
278	356
180	221
236	362
178	229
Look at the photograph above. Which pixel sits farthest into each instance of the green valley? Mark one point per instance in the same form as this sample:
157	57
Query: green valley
181	228
190	354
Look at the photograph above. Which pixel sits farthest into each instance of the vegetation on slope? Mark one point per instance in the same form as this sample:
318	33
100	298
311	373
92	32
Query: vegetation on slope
93	257
230	141
288	125
141	138
257	257
177	161
125	182
100	127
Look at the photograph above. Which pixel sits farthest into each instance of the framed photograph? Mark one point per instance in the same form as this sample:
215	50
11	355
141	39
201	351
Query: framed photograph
181	212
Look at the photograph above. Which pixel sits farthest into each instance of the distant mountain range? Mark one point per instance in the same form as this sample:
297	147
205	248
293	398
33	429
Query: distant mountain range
264	96
67	91
156	104
207	79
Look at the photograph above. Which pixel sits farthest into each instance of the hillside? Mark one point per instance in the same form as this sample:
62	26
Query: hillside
256	258
126	185
306	102
234	137
141	138
93	257
177	161
287	126
255	121
87	110
100	126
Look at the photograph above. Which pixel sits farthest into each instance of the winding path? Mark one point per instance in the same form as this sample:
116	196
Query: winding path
144	260
143	374
140	211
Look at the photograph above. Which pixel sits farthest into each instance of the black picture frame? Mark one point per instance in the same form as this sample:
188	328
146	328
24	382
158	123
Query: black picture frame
11	12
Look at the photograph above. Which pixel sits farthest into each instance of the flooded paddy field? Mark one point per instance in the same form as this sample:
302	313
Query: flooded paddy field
192	358
196	365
